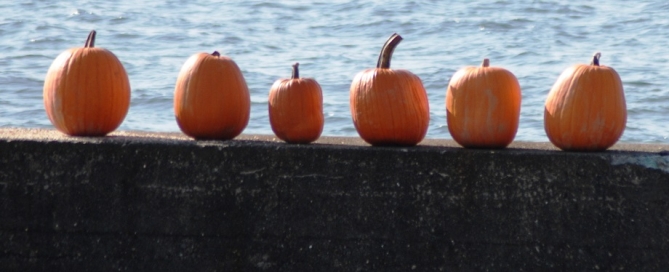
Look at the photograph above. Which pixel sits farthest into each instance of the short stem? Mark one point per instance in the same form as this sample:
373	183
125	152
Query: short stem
485	63
595	59
296	71
216	54
387	51
90	41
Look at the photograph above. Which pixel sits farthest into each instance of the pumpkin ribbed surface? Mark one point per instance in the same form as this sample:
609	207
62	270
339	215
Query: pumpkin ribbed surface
586	109
211	98
483	106
86	91
296	109
389	107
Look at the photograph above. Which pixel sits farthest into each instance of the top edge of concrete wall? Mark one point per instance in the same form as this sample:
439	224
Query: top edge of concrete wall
52	135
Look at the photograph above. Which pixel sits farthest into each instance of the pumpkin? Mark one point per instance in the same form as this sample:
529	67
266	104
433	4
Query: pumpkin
483	106
389	107
211	98
296	108
86	91
585	109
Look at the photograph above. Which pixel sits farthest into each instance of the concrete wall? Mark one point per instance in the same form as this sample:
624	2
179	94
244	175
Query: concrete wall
163	202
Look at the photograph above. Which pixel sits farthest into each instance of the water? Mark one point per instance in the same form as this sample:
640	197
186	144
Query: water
334	40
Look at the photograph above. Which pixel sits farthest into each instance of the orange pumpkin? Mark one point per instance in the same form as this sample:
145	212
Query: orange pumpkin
586	110
211	98
483	106
296	108
389	107
86	91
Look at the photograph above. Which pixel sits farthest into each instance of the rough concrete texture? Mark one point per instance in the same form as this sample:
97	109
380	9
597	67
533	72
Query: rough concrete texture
163	202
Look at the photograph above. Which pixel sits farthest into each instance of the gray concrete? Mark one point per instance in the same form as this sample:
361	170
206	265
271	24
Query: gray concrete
163	202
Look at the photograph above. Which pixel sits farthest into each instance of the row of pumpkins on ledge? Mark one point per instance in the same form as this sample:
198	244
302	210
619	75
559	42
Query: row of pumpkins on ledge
87	93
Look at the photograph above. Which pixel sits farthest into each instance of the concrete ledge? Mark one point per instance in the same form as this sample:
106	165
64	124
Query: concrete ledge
163	202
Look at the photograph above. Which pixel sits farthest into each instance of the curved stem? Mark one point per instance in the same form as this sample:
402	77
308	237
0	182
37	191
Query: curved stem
90	41
296	71
387	51
216	54
595	59
485	63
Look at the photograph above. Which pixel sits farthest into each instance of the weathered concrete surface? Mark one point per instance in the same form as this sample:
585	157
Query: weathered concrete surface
163	202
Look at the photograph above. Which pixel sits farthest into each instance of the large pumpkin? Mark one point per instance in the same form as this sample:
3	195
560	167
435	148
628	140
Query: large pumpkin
211	98
585	109
86	91
389	107
483	106
296	108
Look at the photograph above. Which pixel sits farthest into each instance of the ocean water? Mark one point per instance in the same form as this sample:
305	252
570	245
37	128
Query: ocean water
334	40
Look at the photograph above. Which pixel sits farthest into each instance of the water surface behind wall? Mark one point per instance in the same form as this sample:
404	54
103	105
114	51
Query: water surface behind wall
334	40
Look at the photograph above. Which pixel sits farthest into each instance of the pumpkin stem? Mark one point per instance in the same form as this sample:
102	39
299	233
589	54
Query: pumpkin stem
296	71
387	51
485	63
90	41
216	54
595	59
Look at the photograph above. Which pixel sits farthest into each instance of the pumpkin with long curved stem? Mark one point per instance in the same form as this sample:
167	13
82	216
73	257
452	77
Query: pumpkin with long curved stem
483	106
585	109
86	91
389	107
296	108
211	98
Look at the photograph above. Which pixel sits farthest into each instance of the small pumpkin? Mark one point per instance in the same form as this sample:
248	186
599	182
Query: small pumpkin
389	107
86	91
585	109
483	106
296	108
211	98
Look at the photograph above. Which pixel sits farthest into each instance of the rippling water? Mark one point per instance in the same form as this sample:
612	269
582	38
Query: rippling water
334	40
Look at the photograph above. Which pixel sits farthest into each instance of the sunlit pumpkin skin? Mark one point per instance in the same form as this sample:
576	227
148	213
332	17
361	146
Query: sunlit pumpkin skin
483	106
211	98
389	107
585	109
86	91
296	108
